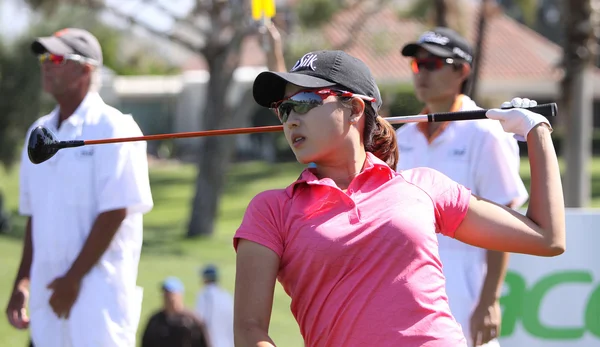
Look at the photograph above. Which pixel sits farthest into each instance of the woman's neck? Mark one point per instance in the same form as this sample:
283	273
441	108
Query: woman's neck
342	171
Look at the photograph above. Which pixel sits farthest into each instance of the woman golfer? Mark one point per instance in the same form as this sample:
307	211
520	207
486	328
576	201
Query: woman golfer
352	241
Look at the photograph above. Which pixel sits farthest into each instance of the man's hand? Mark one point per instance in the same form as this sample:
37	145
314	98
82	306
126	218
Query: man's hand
485	323
16	311
66	291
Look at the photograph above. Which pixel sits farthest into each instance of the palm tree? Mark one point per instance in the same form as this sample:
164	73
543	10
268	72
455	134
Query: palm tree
579	55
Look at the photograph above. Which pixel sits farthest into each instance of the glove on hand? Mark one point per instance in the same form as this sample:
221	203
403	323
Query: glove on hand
518	120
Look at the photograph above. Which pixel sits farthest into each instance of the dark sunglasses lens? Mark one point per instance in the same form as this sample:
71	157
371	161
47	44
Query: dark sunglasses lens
283	111
300	103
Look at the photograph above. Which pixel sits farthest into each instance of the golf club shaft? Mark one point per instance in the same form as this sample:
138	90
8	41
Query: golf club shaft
547	110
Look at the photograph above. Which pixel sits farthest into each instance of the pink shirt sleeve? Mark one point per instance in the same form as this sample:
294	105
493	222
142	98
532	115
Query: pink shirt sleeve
450	199
262	221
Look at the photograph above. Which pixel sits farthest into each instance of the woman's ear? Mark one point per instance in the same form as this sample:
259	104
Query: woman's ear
358	107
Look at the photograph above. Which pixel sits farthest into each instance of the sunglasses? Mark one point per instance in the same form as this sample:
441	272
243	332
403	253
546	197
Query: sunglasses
62	59
305	100
430	63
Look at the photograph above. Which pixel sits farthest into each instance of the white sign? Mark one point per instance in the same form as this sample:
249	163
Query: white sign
554	302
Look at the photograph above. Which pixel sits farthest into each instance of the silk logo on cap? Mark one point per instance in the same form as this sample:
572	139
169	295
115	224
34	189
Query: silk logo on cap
306	62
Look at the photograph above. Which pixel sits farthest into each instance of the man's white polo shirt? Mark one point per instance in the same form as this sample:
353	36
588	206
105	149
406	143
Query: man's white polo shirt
64	195
481	156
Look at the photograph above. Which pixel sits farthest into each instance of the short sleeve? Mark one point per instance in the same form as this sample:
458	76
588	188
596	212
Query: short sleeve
121	176
24	195
262	221
497	171
450	199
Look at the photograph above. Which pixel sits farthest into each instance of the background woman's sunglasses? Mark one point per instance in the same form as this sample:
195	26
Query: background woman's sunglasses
62	59
306	100
430	64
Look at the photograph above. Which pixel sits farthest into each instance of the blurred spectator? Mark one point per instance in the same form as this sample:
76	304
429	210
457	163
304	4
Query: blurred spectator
214	306
478	154
84	209
174	325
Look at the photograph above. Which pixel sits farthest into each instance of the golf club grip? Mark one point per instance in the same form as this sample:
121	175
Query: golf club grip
546	110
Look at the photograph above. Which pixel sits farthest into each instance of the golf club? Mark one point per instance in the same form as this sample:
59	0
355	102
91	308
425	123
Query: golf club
43	144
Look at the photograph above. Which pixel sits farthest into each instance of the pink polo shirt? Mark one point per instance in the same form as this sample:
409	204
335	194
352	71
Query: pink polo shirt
362	267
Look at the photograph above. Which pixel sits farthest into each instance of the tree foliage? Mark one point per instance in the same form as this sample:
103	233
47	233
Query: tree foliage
213	29
22	99
19	104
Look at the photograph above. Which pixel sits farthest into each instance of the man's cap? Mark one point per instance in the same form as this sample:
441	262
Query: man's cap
442	42
210	273
69	41
173	285
318	69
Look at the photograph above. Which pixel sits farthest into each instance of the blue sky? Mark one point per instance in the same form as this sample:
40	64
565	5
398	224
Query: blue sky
13	17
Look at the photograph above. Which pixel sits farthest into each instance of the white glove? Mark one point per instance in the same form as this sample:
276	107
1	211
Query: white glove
517	120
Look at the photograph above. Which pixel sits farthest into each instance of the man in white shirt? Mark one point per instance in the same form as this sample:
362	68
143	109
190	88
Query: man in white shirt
85	207
214	306
477	154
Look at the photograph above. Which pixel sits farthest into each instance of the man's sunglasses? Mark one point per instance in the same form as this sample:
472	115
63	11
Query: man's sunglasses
62	59
306	100
430	63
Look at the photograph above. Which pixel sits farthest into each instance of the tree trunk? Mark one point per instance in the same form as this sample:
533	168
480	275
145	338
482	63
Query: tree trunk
216	151
579	57
441	11
477	59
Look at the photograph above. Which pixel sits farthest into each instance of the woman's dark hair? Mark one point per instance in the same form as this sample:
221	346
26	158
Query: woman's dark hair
380	138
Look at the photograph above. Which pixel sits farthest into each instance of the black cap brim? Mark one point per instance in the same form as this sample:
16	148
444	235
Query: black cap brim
410	50
269	87
52	45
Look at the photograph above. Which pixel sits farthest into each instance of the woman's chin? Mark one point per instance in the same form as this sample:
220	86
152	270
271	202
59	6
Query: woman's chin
304	158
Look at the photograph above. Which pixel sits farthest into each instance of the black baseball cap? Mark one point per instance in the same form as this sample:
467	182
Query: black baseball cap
69	41
442	42
318	69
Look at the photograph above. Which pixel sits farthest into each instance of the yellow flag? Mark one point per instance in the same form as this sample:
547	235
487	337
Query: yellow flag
263	7
257	9
269	8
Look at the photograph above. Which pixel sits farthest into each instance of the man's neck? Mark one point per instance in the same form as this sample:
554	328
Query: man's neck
441	105
438	106
67	104
171	310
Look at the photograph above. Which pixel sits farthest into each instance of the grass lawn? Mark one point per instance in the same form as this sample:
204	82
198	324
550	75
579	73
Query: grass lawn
166	252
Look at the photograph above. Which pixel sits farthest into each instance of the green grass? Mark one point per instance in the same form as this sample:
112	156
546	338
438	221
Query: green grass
166	252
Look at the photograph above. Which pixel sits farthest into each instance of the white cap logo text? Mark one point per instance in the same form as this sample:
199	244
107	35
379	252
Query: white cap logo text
306	62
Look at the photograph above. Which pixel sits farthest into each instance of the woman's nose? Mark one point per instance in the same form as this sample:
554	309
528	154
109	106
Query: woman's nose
292	121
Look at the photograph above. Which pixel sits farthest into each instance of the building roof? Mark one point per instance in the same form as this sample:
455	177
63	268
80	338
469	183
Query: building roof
510	50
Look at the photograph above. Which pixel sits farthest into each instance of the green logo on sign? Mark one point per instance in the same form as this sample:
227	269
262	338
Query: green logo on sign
522	303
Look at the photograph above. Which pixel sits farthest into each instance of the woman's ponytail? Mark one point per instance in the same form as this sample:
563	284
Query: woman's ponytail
380	138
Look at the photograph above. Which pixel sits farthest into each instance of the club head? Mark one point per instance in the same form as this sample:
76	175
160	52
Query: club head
42	145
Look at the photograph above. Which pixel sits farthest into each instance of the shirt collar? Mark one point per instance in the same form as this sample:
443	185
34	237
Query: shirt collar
78	117
373	165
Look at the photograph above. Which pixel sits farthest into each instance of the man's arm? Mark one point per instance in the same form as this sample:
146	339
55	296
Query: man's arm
23	274
16	311
148	339
104	229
